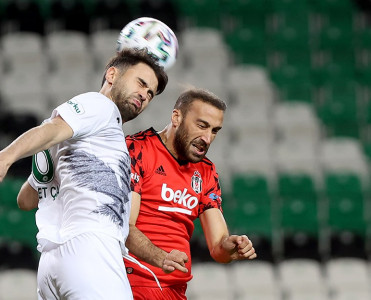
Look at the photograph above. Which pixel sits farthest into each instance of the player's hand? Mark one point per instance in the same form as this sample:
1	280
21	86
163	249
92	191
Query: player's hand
175	260
239	247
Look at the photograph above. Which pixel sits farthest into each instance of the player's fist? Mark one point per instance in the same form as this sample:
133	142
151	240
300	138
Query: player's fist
239	247
175	260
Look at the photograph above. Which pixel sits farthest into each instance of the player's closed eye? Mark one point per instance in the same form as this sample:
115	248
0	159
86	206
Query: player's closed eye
150	95
215	131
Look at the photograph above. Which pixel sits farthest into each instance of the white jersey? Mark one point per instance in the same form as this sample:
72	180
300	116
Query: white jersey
84	182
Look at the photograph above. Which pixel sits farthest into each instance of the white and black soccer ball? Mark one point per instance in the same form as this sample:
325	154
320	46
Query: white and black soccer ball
152	34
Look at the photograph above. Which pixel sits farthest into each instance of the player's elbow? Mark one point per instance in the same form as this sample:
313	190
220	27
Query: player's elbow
24	204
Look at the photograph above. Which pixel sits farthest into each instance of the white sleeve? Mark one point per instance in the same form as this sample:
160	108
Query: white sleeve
86	113
32	182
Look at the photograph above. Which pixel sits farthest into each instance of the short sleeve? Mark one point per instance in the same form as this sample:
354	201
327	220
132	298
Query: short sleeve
32	182
86	114
212	194
137	171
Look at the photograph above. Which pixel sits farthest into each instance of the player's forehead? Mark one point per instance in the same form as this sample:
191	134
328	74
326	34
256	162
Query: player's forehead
144	72
201	110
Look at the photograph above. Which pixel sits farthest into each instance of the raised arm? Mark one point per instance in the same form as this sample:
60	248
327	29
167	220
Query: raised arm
140	245
28	197
224	247
33	141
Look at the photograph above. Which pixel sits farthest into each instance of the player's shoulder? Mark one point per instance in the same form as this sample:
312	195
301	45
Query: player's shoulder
141	140
207	165
91	102
89	96
207	162
141	136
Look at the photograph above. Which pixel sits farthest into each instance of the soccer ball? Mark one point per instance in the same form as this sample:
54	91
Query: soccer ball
152	34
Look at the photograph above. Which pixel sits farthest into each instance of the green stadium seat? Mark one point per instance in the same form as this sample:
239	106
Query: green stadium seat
346	203
344	183
250	210
296	185
244	185
20	226
363	75
198	232
244	6
297	92
345	56
339	111
289	13
363	39
347	213
289	6
300	224
290	74
299	214
333	6
343	20
293	82
251	215
301	57
244	14
351	129
367	149
335	37
333	72
255	217
248	46
200	13
9	189
365	112
288	38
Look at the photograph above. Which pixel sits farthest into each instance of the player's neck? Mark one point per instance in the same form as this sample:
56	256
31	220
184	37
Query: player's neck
167	137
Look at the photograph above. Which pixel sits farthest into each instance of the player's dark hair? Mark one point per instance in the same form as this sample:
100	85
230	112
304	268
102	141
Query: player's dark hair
191	95
131	57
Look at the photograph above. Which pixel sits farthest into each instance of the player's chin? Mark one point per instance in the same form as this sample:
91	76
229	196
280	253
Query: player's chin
134	113
195	158
136	110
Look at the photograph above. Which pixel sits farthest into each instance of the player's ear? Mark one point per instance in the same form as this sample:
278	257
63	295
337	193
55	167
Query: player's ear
110	74
176	117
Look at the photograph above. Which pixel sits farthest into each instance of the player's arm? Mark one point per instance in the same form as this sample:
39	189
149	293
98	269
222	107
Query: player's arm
224	247
140	245
27	198
33	141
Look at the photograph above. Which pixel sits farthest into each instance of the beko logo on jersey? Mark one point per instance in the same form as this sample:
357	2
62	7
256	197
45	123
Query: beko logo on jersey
179	197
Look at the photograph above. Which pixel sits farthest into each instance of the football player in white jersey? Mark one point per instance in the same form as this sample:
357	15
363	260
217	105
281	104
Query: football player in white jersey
82	173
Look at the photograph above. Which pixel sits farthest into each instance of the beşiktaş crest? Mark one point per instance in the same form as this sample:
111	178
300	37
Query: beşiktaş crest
197	182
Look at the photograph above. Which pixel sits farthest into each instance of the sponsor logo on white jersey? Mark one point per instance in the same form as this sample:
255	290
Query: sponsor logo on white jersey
76	107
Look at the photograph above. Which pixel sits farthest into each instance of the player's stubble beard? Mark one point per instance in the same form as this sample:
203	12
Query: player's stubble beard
182	145
121	98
